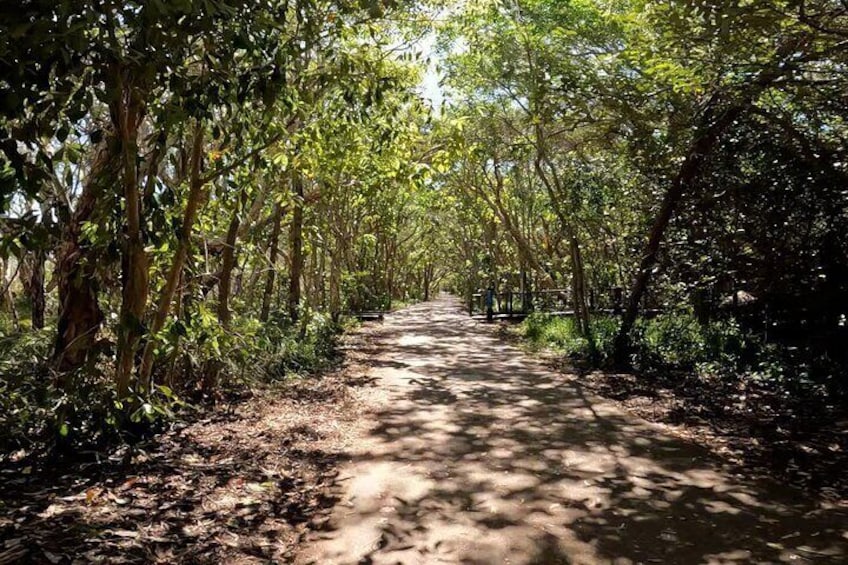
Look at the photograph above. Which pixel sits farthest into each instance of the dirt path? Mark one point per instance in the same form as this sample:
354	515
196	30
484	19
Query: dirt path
478	454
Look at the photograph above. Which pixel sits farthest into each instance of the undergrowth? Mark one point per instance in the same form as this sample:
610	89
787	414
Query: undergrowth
678	343
198	362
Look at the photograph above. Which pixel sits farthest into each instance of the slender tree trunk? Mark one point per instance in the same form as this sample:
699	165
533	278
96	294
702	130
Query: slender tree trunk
578	279
36	290
426	281
127	114
683	182
273	250
525	250
296	248
712	125
390	271
33	284
195	198
13	310
228	261
171	370
322	269
7	296
335	287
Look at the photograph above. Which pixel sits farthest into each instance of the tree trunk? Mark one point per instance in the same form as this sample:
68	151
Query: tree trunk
683	182
554	187
578	282
711	127
195	198
34	286
320	276
335	287
171	369
296	248
273	250
428	269
126	115
79	317
581	309
228	261
7	296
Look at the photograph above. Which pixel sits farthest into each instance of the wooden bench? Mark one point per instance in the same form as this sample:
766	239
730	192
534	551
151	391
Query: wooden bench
368	316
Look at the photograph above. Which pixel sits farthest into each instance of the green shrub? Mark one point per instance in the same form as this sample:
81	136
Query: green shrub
532	326
558	333
286	354
604	332
676	340
80	410
670	340
562	335
26	396
673	340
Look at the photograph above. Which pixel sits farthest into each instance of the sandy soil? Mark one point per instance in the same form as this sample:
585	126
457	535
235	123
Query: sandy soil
476	453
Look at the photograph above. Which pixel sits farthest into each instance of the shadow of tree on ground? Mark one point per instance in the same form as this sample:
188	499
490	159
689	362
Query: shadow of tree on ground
482	455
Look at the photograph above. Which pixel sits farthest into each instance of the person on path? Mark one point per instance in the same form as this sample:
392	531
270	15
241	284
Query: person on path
490	304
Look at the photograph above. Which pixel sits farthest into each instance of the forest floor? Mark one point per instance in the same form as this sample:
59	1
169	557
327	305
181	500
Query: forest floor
241	485
437	441
795	438
479	453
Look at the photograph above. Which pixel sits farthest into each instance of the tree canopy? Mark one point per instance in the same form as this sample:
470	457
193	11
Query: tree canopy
194	190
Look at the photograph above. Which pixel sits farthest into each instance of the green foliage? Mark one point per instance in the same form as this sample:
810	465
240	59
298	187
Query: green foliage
558	333
191	167
672	341
27	397
604	332
561	334
678	341
82	411
79	411
286	353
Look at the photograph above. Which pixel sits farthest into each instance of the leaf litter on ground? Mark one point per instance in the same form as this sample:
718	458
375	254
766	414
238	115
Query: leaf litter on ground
242	485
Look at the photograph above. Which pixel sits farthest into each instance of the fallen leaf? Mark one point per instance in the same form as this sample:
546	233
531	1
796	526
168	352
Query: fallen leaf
124	533
92	494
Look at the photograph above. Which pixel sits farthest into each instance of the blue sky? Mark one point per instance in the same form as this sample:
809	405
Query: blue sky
429	87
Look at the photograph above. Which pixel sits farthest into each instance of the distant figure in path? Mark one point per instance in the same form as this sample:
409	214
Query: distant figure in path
490	304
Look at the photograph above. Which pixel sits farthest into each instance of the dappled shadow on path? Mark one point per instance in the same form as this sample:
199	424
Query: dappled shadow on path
481	455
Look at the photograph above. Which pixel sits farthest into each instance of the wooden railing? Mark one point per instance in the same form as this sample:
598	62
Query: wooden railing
556	301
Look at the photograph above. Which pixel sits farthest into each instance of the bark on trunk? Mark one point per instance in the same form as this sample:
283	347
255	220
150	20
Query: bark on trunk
428	273
126	115
683	182
581	309
228	261
79	317
7	296
713	124
296	248
335	287
34	286
268	292
554	187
